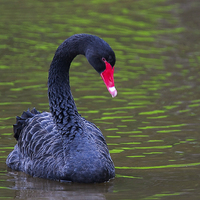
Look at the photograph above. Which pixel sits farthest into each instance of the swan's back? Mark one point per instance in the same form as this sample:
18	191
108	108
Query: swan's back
42	151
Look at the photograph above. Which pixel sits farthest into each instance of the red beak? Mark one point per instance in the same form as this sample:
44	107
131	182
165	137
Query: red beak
108	77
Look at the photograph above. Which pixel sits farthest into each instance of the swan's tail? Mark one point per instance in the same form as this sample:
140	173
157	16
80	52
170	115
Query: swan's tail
20	121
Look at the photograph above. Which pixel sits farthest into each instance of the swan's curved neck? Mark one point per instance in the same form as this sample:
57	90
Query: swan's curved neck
61	102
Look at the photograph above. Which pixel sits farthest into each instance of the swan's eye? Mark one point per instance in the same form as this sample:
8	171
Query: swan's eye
104	60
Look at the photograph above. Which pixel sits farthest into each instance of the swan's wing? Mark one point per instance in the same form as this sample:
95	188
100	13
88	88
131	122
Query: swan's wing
39	145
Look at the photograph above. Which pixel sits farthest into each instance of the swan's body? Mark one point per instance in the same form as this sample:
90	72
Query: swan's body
62	145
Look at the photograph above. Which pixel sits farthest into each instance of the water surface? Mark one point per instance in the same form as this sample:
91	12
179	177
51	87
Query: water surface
151	127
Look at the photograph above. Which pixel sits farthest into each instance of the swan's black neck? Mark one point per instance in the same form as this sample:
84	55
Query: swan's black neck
62	105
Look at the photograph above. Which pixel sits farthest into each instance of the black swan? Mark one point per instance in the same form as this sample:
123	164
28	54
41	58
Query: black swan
62	145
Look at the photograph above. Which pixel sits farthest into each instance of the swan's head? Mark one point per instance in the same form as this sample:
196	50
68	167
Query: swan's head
102	58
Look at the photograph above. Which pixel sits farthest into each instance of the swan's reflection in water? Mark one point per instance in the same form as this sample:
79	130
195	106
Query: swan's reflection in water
28	187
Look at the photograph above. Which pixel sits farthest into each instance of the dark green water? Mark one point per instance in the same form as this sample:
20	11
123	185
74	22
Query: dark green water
152	127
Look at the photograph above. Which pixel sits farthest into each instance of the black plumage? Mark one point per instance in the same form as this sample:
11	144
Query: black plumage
62	145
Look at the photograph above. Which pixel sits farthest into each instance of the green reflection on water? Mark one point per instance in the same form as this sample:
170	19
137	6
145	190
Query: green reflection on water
13	103
114	117
152	147
140	103
43	104
125	176
144	39
158	117
195	101
168	131
128	132
136	156
5	127
128	143
124	108
94	97
155	141
190	140
5	118
113	136
111	129
162	167
113	113
152	112
152	153
90	111
6	147
158	196
169	126
122	126
3	156
128	120
6	83
116	150
194	105
7	134
28	87
181	88
1	187
138	136
170	107
183	111
112	144
3	66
